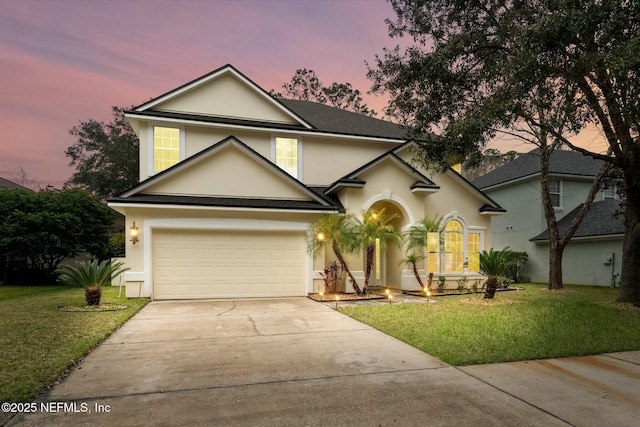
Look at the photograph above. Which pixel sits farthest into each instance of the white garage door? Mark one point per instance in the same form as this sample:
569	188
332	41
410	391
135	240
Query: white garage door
192	264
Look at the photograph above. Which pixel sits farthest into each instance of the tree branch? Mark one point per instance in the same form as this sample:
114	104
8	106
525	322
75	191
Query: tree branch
595	188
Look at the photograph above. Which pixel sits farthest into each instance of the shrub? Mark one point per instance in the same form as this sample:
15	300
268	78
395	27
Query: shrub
462	283
91	276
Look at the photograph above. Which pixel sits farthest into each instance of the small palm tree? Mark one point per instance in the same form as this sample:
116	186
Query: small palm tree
492	265
418	238
413	259
91	276
418	234
337	230
375	226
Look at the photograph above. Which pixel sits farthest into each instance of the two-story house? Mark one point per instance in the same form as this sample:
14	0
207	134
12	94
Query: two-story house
593	257
231	179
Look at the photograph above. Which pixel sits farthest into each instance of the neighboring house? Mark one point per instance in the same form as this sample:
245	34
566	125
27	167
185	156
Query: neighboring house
5	183
593	256
231	179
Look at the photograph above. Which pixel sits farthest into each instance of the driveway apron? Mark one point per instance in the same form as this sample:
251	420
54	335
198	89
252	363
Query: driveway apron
280	362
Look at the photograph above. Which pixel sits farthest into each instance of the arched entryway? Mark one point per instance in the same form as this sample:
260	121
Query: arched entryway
387	270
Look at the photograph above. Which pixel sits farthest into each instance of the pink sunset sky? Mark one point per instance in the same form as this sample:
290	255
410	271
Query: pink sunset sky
63	61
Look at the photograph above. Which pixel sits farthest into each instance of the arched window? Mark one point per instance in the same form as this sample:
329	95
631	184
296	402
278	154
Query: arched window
456	249
453	247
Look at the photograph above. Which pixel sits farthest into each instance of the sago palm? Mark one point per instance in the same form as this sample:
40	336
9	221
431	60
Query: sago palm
338	231
492	265
91	276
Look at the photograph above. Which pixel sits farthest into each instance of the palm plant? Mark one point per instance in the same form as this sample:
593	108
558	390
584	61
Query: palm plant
413	259
418	238
492	265
337	230
375	227
419	233
91	276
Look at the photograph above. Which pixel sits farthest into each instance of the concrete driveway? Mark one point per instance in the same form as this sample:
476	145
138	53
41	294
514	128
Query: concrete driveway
294	362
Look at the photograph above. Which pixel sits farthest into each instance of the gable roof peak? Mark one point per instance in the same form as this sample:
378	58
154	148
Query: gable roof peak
215	74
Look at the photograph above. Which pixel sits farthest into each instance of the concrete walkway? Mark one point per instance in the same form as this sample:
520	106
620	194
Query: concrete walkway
294	362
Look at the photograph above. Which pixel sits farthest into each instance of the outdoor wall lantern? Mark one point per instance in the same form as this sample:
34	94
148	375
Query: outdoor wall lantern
134	233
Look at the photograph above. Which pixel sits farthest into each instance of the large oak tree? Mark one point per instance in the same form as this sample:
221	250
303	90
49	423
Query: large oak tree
52	225
306	86
105	155
476	65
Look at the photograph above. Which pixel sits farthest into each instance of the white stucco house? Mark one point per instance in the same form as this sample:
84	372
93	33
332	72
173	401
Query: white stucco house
231	179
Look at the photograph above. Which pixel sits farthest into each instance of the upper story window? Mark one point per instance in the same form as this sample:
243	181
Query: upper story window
610	191
166	147
555	189
286	155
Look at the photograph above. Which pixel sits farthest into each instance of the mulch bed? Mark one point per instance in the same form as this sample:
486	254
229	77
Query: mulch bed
345	297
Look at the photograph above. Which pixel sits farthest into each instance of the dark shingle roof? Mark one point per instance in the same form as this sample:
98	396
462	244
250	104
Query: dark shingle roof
160	199
528	164
599	221
335	120
5	183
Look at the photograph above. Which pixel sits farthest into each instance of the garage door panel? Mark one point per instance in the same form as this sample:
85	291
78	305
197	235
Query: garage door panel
242	254
225	264
205	254
204	272
223	253
226	271
183	253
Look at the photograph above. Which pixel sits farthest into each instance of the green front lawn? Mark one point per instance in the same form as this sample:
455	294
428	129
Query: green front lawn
517	325
38	342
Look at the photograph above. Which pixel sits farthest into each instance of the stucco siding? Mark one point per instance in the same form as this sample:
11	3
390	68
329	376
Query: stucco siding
199	138
230	173
327	160
582	263
574	193
227	96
